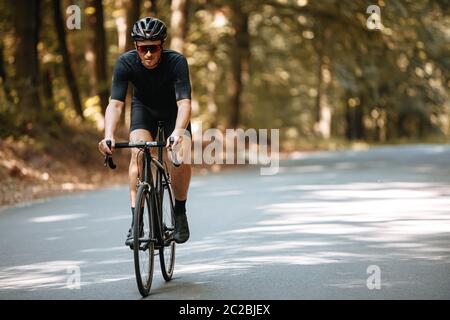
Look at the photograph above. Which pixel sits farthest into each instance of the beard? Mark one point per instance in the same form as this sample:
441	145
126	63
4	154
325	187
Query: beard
151	63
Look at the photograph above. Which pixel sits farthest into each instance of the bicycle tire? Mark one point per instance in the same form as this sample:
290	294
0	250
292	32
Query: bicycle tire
167	252
143	244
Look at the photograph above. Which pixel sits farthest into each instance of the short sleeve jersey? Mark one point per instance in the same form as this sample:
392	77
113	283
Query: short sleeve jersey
157	89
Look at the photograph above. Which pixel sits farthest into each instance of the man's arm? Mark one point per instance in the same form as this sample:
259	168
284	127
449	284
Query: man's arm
116	102
184	114
183	118
112	117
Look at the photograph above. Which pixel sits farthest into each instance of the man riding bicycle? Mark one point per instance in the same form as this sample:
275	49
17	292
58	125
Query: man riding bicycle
162	92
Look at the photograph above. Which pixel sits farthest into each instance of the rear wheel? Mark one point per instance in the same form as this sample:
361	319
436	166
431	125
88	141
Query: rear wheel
144	235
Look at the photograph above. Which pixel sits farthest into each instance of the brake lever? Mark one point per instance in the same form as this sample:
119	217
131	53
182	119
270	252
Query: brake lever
175	161
108	159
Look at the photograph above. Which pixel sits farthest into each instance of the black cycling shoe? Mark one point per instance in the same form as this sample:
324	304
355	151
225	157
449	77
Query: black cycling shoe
130	238
181	234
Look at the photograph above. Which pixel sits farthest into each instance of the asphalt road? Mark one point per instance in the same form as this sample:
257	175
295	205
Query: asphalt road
319	229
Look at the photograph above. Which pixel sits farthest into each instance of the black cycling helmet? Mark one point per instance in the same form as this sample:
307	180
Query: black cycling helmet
149	29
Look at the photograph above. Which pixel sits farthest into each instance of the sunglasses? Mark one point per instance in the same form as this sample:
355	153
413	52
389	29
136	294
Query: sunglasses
146	48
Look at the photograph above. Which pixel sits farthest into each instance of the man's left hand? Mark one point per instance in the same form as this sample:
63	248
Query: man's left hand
176	142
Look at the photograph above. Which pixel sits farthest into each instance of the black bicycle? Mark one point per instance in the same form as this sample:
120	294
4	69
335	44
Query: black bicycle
154	221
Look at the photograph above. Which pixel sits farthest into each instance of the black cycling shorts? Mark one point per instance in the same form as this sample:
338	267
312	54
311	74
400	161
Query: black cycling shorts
142	119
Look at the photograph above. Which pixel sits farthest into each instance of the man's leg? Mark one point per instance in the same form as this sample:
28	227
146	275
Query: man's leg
135	136
181	177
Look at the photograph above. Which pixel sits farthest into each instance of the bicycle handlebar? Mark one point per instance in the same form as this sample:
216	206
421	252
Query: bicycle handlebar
147	144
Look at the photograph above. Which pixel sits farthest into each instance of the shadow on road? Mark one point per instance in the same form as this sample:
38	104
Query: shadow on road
309	232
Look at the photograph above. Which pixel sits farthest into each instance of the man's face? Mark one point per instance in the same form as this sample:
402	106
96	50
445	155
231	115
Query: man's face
148	58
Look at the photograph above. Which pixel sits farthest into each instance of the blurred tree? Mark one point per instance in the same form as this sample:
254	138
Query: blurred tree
98	51
68	71
239	52
49	102
322	125
150	8
26	79
178	24
4	77
317	71
132	8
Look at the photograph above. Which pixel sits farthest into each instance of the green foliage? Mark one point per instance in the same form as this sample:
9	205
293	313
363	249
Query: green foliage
395	78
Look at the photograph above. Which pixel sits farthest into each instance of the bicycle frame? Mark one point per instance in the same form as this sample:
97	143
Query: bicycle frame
160	176
152	190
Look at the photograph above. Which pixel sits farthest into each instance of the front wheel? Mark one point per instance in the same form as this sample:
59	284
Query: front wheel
144	235
167	251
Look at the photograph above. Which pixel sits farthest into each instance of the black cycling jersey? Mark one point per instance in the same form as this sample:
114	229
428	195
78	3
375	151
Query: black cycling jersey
156	91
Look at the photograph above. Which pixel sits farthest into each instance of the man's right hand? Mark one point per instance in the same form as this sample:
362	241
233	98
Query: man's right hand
103	147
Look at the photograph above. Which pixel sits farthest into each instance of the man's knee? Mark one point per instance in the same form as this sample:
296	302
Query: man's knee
136	157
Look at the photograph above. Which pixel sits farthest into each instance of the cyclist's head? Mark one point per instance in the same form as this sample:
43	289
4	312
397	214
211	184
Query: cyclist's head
149	35
149	28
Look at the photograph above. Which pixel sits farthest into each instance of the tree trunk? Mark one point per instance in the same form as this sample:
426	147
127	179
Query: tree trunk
239	56
211	87
320	55
354	116
102	55
178	24
99	52
90	52
322	126
26	25
150	8
359	121
390	122
47	89
4	77
133	14
349	127
68	71
213	73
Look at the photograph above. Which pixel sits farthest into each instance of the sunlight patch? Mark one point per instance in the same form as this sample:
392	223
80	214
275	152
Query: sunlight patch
59	217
